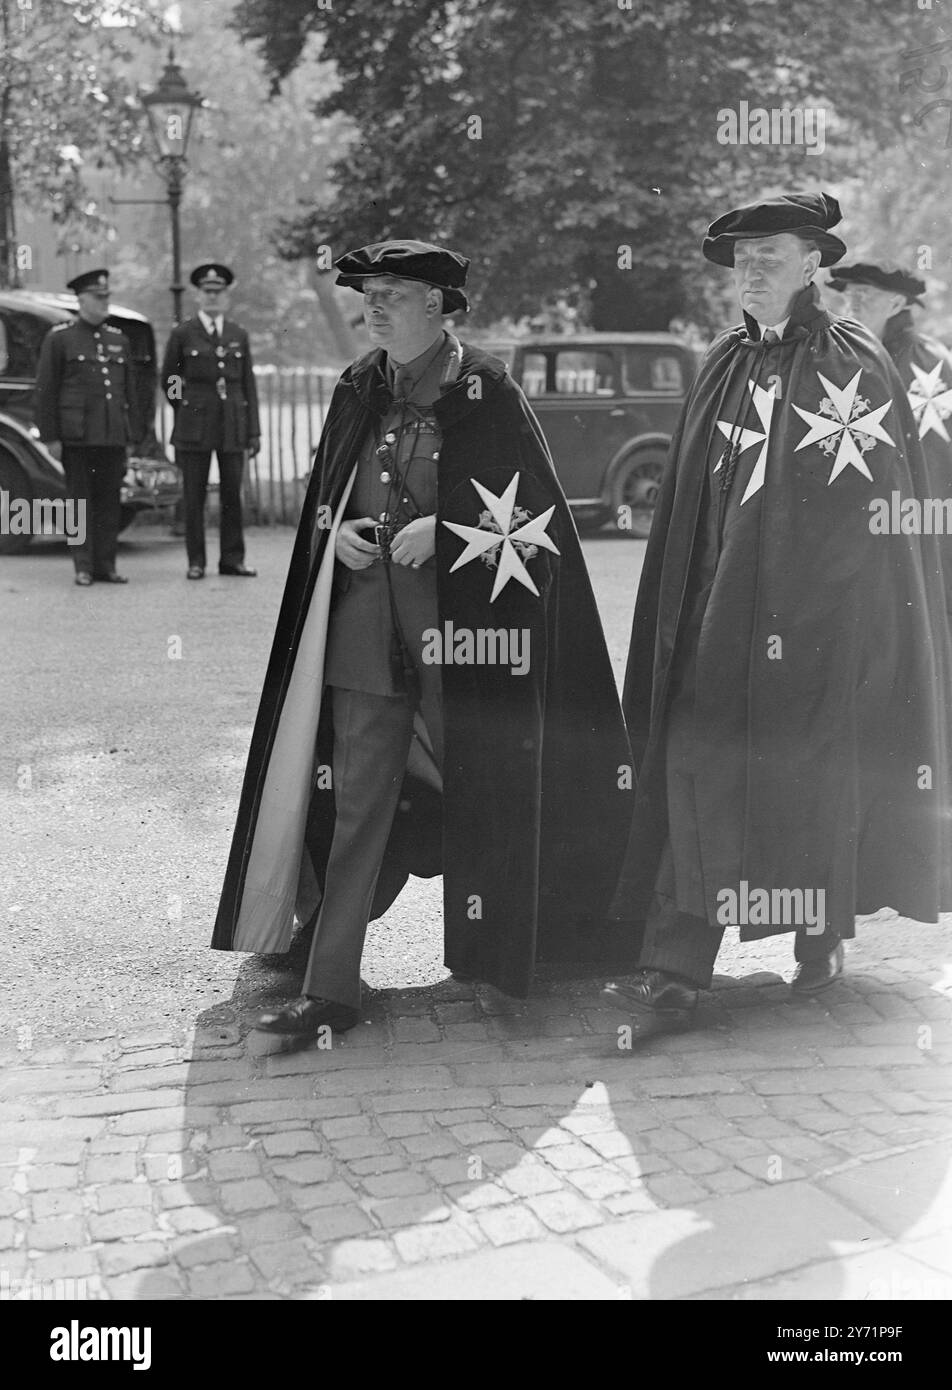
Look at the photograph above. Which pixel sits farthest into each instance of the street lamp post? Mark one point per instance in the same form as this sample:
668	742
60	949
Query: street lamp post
170	109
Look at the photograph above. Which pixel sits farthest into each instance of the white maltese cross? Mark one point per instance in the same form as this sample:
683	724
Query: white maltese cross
505	527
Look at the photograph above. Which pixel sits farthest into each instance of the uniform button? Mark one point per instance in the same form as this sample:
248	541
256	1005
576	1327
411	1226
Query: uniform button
383	516
385	477
108	396
390	437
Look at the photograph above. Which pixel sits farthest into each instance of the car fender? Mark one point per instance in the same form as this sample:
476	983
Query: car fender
44	472
639	443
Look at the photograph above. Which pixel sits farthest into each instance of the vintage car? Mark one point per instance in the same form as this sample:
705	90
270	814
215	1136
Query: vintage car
608	404
28	472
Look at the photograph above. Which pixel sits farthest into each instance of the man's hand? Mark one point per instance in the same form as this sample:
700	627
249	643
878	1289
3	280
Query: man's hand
54	447
416	543
254	447
351	549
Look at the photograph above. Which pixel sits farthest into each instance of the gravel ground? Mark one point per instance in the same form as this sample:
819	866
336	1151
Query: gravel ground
122	764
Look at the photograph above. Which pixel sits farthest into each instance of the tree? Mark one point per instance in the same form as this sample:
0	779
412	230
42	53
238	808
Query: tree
65	105
572	146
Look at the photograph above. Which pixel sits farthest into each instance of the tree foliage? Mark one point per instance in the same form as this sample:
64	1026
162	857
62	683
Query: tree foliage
540	136
251	160
66	105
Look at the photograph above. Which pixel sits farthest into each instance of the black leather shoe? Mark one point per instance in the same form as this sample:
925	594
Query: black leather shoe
814	975
656	1002
304	1017
195	572
110	578
244	571
83	579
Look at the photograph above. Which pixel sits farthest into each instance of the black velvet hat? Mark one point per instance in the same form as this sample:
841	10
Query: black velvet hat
803	214
893	279
213	274
410	260
95	280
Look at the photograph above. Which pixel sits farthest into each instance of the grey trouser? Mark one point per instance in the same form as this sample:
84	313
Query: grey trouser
372	735
682	944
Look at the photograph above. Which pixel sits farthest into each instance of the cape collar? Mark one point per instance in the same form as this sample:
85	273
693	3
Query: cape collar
900	330
457	399
807	314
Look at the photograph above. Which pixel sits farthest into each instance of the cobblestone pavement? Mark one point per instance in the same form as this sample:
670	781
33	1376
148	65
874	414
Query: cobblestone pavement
455	1144
460	1145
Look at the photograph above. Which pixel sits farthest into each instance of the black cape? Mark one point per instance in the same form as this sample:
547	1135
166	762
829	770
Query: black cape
816	653
531	826
925	369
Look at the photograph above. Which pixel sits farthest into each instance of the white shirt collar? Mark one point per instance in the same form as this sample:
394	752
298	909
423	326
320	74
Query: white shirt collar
212	324
776	327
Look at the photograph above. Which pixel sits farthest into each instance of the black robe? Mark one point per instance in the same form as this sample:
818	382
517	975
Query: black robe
530	829
787	659
925	368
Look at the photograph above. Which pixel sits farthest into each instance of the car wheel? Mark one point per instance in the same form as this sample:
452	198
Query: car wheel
13	482
634	492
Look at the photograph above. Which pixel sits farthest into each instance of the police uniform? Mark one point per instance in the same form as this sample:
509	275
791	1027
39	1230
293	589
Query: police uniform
208	379
85	398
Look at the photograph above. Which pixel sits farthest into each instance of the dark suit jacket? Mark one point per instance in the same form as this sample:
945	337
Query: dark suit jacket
85	386
191	370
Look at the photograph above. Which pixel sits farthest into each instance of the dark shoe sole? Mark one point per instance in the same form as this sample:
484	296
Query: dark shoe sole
281	1029
817	988
646	1021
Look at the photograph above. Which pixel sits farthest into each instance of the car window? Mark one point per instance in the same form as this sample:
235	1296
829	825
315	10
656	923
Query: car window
568	372
22	336
646	368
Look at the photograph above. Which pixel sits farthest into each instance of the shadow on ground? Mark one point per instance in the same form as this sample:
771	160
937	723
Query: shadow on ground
457	1144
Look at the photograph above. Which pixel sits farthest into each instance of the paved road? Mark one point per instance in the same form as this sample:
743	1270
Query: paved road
455	1144
128	716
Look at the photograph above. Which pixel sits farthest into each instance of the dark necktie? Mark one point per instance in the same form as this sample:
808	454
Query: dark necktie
402	384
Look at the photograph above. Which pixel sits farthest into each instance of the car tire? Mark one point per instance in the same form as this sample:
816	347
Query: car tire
634	492
13	482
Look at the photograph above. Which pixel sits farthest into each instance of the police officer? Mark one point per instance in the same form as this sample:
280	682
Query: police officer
86	415
208	379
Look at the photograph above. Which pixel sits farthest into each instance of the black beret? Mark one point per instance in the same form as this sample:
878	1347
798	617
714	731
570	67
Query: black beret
804	214
97	280
891	278
212	273
410	260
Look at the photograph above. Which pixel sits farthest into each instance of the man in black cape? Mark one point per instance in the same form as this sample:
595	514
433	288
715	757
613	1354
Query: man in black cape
882	298
783	691
439	695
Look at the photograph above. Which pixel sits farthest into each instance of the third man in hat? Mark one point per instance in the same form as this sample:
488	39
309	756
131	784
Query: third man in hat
883	297
208	379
